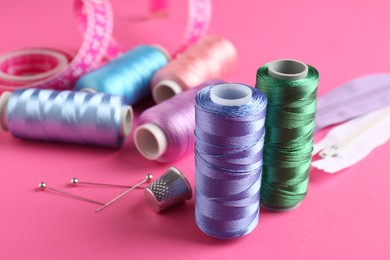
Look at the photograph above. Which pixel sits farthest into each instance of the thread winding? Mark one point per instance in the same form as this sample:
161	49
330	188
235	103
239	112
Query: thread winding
210	58
75	117
228	159
129	75
165	132
289	136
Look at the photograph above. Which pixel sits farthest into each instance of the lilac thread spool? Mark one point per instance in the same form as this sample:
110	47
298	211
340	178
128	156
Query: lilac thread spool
228	159
166	131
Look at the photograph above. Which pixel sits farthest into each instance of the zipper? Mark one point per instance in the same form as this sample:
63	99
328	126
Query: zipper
354	99
336	149
362	96
327	109
348	143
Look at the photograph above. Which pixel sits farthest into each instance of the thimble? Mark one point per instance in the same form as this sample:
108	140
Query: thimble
168	190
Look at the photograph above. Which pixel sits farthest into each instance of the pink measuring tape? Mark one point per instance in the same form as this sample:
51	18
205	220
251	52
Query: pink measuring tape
54	69
17	66
199	17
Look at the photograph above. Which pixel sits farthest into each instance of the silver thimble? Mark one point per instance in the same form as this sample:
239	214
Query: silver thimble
168	190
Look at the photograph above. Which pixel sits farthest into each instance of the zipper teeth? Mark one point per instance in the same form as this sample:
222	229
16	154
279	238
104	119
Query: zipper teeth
358	133
330	106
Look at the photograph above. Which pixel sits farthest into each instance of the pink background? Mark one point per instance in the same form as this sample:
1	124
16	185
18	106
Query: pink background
345	216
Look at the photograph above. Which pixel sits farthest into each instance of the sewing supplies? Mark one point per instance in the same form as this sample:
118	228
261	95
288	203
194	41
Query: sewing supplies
42	64
168	190
198	21
291	88
165	132
18	66
228	158
212	57
74	117
148	178
355	98
129	75
348	143
55	69
75	182
199	17
43	186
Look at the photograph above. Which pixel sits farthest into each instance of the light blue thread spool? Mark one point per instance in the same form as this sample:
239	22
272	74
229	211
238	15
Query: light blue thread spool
129	75
66	116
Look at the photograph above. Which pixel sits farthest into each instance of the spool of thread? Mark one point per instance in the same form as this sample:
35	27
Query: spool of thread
74	117
228	159
129	75
291	89
212	57
165	132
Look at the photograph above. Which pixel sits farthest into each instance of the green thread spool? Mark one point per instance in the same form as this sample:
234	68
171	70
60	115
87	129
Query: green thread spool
291	89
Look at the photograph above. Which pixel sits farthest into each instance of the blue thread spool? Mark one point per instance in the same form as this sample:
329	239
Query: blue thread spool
129	75
66	116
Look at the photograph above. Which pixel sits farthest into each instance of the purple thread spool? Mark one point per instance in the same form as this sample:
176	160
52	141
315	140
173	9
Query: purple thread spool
166	131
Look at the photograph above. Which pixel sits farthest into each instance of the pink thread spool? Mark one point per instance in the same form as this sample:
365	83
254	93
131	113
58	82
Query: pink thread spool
165	132
211	57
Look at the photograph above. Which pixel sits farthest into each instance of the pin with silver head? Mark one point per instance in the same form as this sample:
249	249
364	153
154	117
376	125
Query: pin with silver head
43	186
75	182
168	190
147	179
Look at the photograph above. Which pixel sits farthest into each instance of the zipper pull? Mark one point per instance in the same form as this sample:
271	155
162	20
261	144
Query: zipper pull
350	142
331	151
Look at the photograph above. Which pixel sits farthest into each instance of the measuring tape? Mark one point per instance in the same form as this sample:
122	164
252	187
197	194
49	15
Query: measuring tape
55	69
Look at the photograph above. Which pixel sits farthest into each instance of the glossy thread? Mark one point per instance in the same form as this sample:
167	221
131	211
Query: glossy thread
129	75
228	160
212	57
176	119
72	117
289	137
